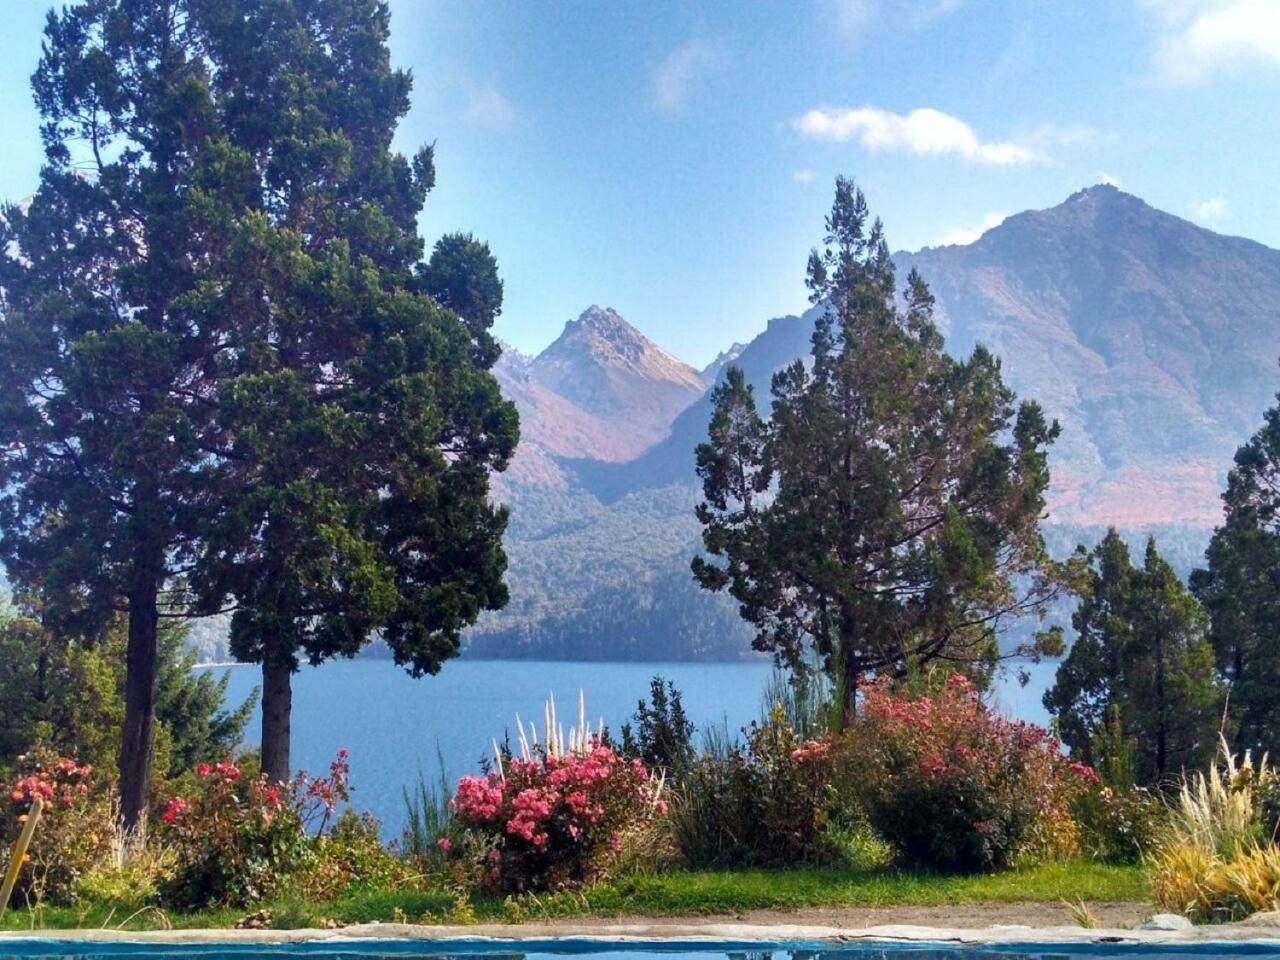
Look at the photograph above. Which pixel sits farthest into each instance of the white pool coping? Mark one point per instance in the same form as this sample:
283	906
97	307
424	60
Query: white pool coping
692	932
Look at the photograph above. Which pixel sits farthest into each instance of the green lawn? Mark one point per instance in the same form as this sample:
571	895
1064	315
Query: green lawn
694	892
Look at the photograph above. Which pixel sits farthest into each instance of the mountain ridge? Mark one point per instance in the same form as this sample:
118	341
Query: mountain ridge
1152	340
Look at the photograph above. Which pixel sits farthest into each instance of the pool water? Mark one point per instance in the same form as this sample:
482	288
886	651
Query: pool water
585	949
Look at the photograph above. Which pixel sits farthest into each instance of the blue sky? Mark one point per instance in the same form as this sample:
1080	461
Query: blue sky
674	160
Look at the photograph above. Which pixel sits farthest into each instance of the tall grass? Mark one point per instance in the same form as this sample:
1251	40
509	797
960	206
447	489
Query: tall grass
807	700
1217	811
427	813
1217	862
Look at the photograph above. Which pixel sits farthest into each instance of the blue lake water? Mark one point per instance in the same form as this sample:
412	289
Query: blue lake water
396	727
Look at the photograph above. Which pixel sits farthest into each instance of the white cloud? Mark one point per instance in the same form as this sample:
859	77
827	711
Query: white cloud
924	131
962	236
803	176
1109	178
850	16
675	78
486	107
1198	37
1211	210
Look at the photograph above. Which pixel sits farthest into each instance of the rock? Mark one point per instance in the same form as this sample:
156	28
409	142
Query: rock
1165	921
1268	918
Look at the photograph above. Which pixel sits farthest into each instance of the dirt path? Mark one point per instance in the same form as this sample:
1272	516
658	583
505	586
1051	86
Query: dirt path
963	915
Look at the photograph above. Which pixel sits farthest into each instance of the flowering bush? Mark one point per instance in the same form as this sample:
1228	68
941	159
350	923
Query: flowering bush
76	827
766	803
947	783
551	822
238	837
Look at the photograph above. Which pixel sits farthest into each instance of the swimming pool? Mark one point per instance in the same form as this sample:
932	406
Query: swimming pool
1100	948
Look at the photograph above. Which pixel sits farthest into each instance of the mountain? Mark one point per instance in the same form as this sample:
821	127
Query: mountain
1152	340
602	392
726	357
606	367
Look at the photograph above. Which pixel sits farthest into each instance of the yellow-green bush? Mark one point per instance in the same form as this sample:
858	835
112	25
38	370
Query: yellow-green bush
1210	888
1216	861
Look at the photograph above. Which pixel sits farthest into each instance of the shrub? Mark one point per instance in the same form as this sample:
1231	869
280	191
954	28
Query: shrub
663	734
1118	825
351	857
551	822
237	838
763	803
76	827
949	784
1216	860
1210	888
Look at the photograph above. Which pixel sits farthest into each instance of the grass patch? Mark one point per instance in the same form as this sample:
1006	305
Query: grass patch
677	893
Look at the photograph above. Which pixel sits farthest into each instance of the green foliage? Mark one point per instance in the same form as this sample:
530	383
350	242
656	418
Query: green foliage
762	802
352	857
950	785
663	733
68	695
1119	820
1241	591
1142	653
428	816
887	512
196	722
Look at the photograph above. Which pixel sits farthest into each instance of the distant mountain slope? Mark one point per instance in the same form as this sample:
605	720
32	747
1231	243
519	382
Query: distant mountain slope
1153	340
602	392
606	367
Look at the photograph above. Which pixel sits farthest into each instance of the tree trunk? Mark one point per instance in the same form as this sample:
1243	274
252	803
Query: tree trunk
1162	733
850	675
141	663
277	707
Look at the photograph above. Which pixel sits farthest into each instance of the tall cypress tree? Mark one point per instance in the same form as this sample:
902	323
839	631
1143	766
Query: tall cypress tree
364	423
216	362
1141	656
1240	587
886	515
109	353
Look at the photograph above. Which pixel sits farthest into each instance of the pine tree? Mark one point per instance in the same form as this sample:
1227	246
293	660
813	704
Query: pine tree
885	516
1142	660
111	342
1240	588
211	320
363	419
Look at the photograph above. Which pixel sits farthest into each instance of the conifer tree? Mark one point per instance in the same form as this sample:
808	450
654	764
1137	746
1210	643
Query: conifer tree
1141	658
216	368
885	516
1240	588
364	421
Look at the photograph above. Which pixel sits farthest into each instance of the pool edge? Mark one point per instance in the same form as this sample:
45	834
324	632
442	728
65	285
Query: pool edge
667	933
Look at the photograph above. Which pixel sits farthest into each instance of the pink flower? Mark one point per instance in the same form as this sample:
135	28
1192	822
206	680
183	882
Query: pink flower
177	806
445	845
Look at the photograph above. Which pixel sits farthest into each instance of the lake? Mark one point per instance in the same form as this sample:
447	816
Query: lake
396	727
